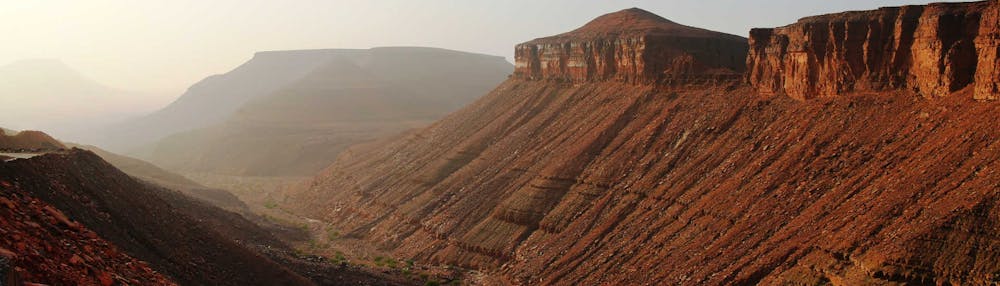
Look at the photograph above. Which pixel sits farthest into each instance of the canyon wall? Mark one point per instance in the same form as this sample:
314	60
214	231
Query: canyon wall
589	167
632	46
934	50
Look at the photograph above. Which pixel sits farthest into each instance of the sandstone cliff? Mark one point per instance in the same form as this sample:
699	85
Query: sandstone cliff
636	46
935	50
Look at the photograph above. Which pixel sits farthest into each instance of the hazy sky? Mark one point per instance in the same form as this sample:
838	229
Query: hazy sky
165	46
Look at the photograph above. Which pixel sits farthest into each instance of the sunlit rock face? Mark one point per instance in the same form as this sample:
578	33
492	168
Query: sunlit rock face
633	46
934	50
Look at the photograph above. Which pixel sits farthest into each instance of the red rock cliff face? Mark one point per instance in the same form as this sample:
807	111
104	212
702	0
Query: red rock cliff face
934	50
636	46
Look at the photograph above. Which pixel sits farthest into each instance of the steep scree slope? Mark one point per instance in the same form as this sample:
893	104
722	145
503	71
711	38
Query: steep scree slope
583	182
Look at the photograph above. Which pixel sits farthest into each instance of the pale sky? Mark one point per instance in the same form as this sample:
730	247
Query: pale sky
165	46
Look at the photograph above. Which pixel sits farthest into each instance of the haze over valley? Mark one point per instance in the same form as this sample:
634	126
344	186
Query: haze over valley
516	143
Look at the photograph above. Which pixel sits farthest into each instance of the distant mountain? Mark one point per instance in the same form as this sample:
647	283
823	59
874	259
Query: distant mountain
215	98
47	94
353	97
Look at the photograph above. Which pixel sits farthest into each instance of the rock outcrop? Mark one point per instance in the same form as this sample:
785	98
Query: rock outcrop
635	46
28	141
935	50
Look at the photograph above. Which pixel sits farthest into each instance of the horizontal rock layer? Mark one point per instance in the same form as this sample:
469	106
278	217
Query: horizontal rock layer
632	46
934	50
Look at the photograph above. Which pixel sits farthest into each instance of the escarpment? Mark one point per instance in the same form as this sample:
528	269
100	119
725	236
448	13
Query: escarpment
934	50
633	46
613	176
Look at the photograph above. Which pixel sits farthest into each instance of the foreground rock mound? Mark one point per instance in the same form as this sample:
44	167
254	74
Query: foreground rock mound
635	46
934	50
612	182
41	245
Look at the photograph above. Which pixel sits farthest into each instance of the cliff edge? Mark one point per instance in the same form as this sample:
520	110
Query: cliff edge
933	50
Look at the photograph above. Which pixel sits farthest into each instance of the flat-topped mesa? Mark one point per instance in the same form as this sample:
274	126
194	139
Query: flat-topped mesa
633	46
934	50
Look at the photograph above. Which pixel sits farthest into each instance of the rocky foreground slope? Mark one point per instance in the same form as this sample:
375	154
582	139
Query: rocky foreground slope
41	245
187	240
567	176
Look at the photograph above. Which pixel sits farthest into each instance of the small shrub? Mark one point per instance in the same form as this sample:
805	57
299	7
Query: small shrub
392	263
270	205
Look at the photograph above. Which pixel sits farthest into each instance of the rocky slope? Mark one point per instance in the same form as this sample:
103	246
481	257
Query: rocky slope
934	50
619	179
150	173
188	240
633	45
300	128
41	245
